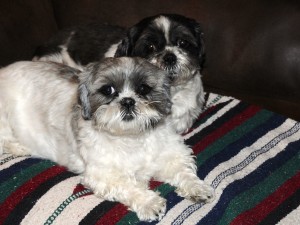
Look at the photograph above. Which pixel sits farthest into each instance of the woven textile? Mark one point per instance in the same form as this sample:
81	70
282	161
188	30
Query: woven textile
249	155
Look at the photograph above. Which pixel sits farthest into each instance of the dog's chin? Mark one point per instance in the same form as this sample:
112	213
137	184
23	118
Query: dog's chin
178	74
114	122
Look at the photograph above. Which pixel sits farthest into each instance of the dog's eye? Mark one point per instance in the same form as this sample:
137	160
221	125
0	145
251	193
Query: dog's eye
151	48
144	89
182	43
107	90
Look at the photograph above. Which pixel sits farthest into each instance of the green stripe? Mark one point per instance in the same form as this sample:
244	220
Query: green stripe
64	204
233	136
129	218
22	177
213	102
164	189
257	193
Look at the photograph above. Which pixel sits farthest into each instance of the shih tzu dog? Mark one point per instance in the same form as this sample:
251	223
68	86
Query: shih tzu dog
169	41
107	123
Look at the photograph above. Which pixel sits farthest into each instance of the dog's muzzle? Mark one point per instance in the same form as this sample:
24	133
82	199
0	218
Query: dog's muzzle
170	64
128	106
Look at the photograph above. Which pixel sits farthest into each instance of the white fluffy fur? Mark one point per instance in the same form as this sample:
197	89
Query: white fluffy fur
39	116
188	100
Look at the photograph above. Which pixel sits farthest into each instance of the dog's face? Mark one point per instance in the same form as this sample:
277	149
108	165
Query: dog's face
172	42
124	95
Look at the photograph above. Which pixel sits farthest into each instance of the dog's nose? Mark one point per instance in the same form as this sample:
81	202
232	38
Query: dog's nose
127	102
170	59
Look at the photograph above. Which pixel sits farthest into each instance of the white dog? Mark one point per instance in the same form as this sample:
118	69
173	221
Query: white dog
107	124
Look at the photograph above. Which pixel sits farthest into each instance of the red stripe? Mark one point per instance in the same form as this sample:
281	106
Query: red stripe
113	215
154	184
225	128
16	197
206	112
119	211
201	116
259	212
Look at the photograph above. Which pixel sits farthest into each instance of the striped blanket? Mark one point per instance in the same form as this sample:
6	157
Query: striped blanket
249	155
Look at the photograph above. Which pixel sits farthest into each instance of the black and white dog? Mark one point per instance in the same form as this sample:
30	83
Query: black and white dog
169	41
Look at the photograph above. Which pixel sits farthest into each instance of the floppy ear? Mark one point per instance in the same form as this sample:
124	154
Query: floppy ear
200	39
123	48
202	50
84	102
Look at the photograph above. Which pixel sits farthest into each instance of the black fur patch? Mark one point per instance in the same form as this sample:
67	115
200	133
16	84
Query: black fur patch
85	44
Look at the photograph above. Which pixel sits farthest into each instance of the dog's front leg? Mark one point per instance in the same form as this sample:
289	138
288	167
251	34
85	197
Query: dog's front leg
147	204
179	170
187	102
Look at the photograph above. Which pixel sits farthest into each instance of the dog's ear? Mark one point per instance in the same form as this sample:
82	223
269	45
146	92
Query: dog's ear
86	111
200	39
202	50
126	45
123	48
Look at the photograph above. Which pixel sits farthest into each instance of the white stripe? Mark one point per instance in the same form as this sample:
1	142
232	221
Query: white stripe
259	160
49	202
11	162
238	175
287	125
214	99
293	218
77	210
213	118
173	213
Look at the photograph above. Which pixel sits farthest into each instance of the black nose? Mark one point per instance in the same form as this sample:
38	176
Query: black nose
170	59
127	102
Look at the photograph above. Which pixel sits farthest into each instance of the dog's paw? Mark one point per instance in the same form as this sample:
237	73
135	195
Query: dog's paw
151	209
182	118
200	192
181	124
76	164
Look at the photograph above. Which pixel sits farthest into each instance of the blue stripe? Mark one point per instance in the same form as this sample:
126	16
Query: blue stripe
249	181
213	111
186	213
232	112
234	148
17	167
228	152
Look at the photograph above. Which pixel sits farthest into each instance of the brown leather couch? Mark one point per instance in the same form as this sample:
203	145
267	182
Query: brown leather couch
252	47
